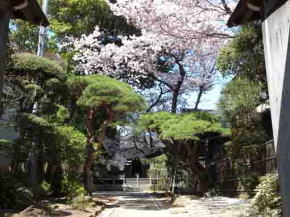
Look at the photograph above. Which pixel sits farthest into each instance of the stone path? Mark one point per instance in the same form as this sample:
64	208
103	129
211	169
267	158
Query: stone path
209	207
137	205
145	205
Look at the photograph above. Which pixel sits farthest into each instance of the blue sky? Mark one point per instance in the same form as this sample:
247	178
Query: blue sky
209	100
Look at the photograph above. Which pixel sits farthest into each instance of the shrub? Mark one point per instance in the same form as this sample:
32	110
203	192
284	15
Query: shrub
267	201
23	198
72	187
45	187
13	194
82	202
25	63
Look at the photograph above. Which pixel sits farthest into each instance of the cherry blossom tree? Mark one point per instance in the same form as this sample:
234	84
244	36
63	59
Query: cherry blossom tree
144	61
189	22
177	47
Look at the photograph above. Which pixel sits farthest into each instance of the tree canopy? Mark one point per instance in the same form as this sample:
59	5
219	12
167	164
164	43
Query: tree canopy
105	91
35	66
180	127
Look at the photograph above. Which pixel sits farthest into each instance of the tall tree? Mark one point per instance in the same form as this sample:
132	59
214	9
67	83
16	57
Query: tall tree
201	22
106	98
74	18
185	136
31	79
244	55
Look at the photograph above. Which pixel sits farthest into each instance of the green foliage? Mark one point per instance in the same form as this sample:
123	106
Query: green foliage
6	145
61	115
153	121
72	187
45	188
71	143
97	91
13	194
23	37
267	201
243	58
34	123
158	169
33	79
82	202
241	95
34	66
180	127
72	17
237	105
244	55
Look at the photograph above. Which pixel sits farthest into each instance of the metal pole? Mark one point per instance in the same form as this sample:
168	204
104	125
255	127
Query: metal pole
42	32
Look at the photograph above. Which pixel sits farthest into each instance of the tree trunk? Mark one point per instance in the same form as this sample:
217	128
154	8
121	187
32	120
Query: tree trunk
200	92
109	119
90	141
197	170
87	167
4	21
177	87
174	101
33	172
89	151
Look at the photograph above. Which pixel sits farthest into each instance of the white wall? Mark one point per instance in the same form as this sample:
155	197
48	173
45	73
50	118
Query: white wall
276	35
277	53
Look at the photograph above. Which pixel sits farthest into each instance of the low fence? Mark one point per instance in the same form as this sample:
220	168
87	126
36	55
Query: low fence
226	175
128	184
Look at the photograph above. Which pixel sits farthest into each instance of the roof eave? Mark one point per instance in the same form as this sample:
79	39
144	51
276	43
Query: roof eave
29	10
244	12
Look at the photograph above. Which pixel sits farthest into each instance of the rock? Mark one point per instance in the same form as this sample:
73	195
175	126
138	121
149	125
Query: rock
23	198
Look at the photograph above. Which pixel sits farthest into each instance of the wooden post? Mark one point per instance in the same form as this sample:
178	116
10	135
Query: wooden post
4	22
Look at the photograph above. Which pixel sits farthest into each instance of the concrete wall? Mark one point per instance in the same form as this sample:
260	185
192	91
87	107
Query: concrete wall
276	35
277	53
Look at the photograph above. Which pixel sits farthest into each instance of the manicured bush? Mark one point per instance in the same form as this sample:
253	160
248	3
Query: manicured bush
35	66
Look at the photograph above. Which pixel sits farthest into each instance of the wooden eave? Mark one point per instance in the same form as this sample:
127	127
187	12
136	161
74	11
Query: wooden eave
243	13
246	11
28	10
